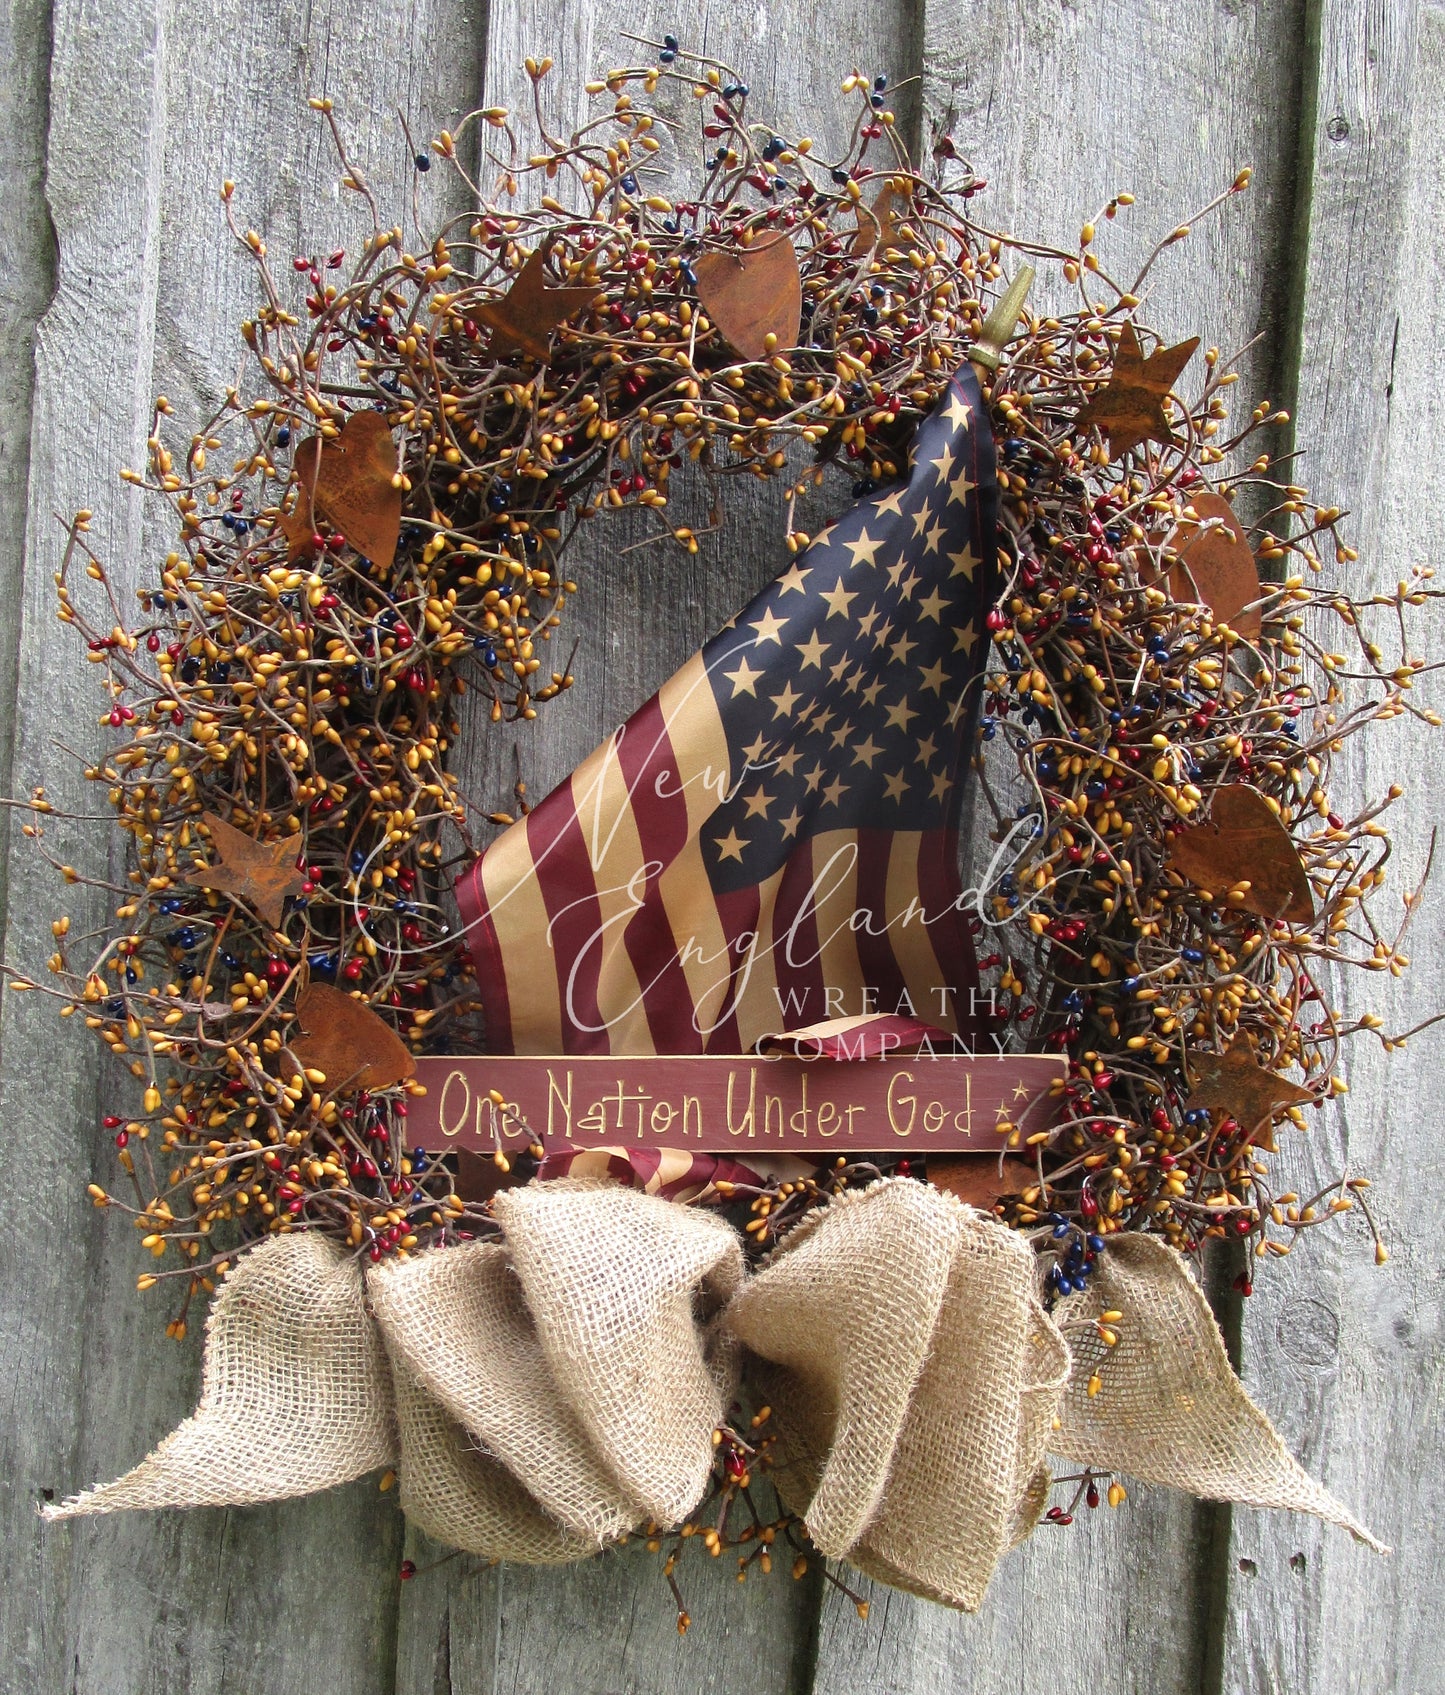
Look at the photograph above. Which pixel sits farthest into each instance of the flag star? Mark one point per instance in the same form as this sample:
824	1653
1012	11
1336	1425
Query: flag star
933	606
895	572
841	734
835	791
894	786
881	635
933	540
789	825
755	750
851	683
907	586
962	639
786	761
864	550
791	580
944	463
960	489
900	714
767	627
758	802
839	599
925	750
872	692
784	703
866	623
891	504
814	777
812	651
743	679
921	517
866	752
840	670
901	649
956	411
730	846
935	676
821	722
940	786
965	563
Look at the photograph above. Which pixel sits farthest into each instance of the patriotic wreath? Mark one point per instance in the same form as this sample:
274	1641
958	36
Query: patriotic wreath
378	525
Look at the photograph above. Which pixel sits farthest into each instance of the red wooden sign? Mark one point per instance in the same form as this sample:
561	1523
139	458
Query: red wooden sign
715	1104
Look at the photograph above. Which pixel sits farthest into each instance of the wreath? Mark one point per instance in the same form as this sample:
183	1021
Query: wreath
378	523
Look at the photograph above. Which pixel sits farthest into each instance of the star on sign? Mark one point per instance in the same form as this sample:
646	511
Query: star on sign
767	627
743	679
1021	1092
730	846
1130	407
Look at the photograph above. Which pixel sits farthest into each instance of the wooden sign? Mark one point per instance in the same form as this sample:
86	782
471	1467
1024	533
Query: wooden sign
716	1104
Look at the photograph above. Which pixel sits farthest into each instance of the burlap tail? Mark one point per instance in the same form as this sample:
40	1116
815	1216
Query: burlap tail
295	1393
913	1378
1169	1408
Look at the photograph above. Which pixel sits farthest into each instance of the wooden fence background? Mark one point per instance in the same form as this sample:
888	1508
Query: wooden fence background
118	119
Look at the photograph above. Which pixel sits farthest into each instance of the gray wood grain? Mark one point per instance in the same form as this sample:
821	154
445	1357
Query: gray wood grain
610	1624
1346	1355
1058	109
149	113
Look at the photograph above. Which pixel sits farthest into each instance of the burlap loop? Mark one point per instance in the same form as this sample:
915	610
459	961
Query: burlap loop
294	1391
572	1356
1169	1408
622	1287
913	1378
467	1499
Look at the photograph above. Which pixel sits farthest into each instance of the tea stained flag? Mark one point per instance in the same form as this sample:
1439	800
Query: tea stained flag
772	840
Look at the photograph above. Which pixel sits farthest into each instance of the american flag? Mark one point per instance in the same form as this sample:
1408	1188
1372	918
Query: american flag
772	840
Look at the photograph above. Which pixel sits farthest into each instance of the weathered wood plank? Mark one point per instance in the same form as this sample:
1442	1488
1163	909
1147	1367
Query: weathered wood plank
105	125
1345	1355
27	277
152	290
1059	108
610	1624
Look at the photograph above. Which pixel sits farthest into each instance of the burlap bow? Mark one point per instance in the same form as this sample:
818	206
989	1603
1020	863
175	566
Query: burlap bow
544	1395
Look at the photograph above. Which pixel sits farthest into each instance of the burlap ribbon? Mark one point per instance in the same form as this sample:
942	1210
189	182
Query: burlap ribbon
543	1395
